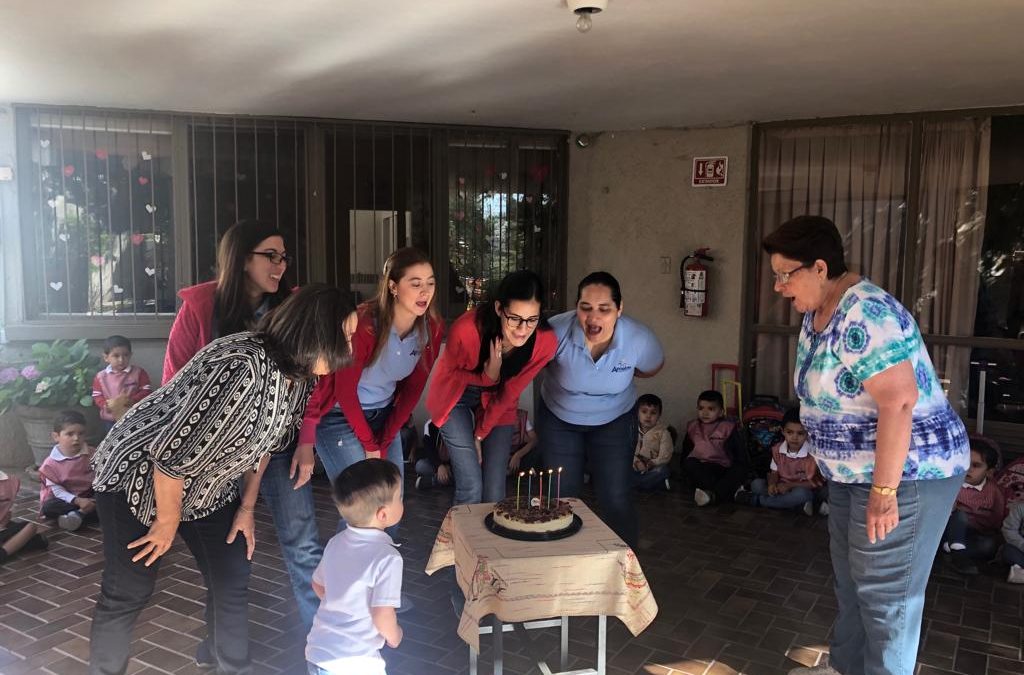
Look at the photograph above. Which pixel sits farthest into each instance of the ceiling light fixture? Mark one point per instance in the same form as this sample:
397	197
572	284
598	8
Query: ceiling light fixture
584	11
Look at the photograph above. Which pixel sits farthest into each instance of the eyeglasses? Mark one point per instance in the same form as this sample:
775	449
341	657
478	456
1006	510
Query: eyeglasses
782	278
274	257
515	321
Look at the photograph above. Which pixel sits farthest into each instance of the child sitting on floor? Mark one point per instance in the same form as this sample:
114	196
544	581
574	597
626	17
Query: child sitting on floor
120	385
359	578
716	460
1013	549
15	535
793	480
434	467
972	531
653	447
65	492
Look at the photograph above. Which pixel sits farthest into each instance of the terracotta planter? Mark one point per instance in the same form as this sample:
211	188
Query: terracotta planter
38	424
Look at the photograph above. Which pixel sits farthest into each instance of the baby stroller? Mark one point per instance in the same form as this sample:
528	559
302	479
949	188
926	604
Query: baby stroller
762	419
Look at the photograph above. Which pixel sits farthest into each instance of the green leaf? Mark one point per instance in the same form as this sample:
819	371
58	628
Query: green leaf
85	401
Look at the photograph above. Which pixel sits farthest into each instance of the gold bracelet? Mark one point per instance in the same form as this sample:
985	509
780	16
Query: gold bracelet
883	490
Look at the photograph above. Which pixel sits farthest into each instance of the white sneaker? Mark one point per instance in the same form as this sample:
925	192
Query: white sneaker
1016	575
821	669
70	521
823	509
701	497
808	508
668	485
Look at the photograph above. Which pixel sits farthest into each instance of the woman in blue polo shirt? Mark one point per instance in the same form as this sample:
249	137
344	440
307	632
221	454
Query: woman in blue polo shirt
586	415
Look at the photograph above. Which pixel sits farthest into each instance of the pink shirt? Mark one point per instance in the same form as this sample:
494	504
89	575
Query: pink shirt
709	441
9	486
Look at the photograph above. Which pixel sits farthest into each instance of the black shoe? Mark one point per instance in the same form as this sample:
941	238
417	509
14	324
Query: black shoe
203	658
37	543
962	562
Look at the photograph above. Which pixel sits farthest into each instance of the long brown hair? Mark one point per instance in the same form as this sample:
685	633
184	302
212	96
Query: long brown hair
309	325
231	309
383	306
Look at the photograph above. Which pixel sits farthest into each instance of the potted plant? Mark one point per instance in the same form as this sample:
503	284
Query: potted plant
56	376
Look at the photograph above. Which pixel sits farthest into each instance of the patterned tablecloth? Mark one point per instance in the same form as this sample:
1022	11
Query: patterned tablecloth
590	573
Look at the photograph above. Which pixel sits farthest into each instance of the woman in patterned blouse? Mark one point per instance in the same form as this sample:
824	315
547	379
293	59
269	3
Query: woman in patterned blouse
885	437
172	465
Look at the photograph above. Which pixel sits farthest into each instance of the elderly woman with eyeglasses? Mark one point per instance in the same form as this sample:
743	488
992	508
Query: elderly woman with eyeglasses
492	353
885	437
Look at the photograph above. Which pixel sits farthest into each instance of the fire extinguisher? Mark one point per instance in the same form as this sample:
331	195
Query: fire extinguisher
693	296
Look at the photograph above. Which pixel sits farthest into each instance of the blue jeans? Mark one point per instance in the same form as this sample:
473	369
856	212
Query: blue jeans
1013	555
795	498
339	448
475	483
294	515
606	451
652	479
880	587
979	545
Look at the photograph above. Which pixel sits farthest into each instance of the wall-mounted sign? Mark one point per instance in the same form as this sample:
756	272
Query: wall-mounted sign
710	171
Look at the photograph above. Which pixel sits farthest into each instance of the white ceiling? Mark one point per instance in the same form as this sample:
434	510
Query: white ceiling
646	63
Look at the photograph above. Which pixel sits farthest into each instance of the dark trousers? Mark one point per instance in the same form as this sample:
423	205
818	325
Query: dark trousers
54	508
127	586
606	451
720	480
979	546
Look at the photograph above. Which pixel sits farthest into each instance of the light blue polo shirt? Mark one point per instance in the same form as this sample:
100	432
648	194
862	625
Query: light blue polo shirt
396	362
581	391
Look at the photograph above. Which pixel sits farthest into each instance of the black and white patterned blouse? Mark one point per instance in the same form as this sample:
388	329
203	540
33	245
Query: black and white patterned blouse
227	408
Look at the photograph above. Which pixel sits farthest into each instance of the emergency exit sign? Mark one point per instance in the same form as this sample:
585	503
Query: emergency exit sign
710	171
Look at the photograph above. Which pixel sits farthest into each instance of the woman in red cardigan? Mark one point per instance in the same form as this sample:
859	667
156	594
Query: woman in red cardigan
356	413
492	353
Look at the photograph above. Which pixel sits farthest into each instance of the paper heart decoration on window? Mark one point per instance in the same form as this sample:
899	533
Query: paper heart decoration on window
150	271
51	203
143	180
97	260
113	192
117	290
462	181
538	172
101	155
503	175
69	170
460	215
63	236
101	177
44	142
157	238
146	156
150	208
137	239
56	285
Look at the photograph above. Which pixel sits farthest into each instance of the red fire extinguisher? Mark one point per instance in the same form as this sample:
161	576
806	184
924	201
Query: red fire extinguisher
693	296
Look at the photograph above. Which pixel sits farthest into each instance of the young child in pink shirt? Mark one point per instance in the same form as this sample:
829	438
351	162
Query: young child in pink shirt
120	385
65	492
972	533
15	535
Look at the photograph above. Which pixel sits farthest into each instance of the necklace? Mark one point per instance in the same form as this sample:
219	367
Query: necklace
829	303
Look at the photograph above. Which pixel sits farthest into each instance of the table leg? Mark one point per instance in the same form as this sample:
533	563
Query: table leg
565	642
499	652
602	646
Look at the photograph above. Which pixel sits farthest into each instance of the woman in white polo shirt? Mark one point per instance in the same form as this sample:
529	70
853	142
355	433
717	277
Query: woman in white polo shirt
586	417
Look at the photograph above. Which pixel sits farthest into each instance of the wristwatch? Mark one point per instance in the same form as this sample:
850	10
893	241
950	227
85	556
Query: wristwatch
884	491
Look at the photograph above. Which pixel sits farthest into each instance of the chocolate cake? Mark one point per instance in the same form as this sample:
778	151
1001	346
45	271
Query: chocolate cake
533	518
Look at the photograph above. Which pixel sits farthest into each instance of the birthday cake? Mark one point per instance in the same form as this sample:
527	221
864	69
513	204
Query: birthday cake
539	517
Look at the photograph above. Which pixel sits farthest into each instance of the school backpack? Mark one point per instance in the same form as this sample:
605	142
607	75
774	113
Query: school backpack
762	419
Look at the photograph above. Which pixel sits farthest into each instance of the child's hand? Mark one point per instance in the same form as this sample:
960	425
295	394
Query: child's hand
773	489
638	465
783	488
85	505
513	461
444	475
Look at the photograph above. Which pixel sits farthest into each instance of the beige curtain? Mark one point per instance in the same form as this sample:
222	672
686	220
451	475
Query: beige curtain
951	231
854	174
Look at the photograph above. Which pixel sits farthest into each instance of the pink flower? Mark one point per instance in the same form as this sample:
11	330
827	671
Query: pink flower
30	372
8	375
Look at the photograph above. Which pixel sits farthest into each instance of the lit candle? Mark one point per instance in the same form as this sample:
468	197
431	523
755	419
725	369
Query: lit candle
540	482
529	487
518	481
559	495
551	474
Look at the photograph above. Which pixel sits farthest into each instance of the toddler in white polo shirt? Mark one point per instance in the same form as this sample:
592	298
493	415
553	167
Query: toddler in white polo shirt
359	579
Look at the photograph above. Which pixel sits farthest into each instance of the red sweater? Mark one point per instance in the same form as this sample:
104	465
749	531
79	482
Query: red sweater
341	387
455	371
985	508
192	329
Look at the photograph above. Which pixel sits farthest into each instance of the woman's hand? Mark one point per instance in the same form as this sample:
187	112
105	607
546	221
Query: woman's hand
303	462
883	515
492	368
244	523
156	542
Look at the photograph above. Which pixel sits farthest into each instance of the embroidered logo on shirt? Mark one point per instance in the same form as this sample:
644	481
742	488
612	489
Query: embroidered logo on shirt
621	366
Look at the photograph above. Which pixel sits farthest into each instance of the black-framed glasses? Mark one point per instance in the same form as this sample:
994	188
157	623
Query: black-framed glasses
515	321
274	257
782	278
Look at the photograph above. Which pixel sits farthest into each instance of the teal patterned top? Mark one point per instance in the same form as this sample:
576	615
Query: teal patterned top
869	333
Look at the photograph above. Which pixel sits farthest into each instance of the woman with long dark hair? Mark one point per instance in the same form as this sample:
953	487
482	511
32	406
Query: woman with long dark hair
587	413
356	413
173	465
252	280
492	353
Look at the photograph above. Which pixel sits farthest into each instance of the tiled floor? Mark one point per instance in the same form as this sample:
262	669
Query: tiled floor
739	590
